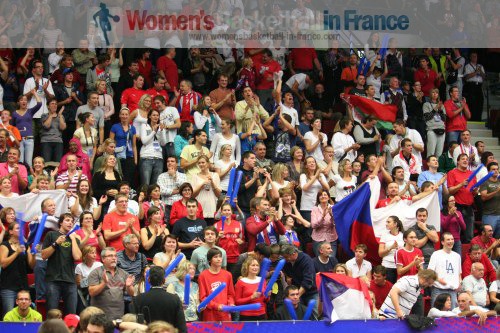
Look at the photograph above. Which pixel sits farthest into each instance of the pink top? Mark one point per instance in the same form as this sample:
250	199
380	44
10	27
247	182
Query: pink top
323	228
23	173
453	224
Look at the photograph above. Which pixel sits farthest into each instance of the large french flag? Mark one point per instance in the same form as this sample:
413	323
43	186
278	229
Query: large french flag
353	222
385	112
343	297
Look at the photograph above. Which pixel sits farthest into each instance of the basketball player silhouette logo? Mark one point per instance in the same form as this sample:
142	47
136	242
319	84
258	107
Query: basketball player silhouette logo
104	23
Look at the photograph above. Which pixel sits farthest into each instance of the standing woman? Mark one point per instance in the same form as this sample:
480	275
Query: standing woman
153	137
322	223
106	103
51	133
140	116
206	189
126	149
87	134
183	138
435	120
280	175
153	234
14	260
153	199
295	167
312	180
22	119
315	140
105	182
246	290
107	148
177	287
88	236
179	209
83	200
226	137
345	182
452	221
224	164
207	119
390	242
39	170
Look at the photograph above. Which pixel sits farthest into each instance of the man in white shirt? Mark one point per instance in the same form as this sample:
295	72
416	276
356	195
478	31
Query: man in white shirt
474	76
448	266
408	161
343	143
42	86
465	309
403	132
475	286
169	116
466	147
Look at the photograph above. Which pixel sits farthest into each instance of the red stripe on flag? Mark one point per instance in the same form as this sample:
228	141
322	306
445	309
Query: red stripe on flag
385	112
362	233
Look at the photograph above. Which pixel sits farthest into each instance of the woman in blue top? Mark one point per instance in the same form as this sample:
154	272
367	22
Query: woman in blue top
126	150
247	136
22	118
183	138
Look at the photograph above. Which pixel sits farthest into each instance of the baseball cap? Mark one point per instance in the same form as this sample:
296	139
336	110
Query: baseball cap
71	320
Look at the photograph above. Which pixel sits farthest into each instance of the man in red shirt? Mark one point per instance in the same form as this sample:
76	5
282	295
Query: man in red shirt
486	241
167	69
266	69
476	255
392	196
186	100
457	114
458	186
223	99
426	76
118	224
158	89
263	226
379	285
304	60
131	96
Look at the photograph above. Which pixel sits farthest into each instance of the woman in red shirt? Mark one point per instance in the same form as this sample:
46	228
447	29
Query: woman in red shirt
179	209
246	290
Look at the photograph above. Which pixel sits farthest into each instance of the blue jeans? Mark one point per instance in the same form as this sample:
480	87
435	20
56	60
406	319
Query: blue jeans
26	147
453	136
8	300
494	221
40	285
65	290
151	168
334	248
435	292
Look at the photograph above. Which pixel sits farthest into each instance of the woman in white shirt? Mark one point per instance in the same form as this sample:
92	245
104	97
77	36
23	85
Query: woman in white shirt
315	140
279	175
6	188
345	182
87	134
441	307
389	243
226	137
223	166
139	116
312	180
206	189
207	119
83	200
153	137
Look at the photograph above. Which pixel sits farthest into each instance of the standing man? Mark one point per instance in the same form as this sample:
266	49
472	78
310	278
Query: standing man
379	285
299	268
223	98
61	251
486	241
93	107
83	58
457	114
169	183
199	257
68	180
263	226
190	154
158	89
16	172
432	175
343	144
160	305
403	132
131	96
250	183
466	147
245	110
490	194
167	69
458	187
169	117
119	223
448	266
186	100
426	235
107	285
266	69
189	229
474	75
446	162
70	97
394	96
407	160
42	87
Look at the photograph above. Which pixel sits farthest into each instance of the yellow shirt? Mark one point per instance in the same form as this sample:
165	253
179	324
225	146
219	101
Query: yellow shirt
190	153
14	316
243	115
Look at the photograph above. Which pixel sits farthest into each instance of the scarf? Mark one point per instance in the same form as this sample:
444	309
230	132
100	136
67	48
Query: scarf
463	149
412	164
268	235
292	238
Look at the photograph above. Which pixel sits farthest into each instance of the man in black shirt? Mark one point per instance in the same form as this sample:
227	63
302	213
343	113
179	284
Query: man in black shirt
61	250
249	184
4	150
157	304
324	262
292	293
189	229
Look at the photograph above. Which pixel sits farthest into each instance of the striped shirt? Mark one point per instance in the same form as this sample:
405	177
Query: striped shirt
168	184
409	290
63	178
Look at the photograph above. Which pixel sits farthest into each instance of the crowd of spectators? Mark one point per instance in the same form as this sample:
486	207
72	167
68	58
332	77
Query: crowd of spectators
143	141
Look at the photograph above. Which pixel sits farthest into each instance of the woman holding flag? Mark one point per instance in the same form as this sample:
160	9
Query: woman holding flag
14	260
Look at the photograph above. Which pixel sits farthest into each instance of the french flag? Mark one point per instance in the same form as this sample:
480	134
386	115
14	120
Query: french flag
353	222
343	297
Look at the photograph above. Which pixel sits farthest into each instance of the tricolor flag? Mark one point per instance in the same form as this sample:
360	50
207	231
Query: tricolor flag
384	112
354	223
343	297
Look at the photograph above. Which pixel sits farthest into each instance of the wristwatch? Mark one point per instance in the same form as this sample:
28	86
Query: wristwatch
117	323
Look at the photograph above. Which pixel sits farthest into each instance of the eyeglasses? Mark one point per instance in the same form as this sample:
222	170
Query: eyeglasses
110	256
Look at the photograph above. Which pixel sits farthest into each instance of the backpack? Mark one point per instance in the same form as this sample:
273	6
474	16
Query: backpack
420	322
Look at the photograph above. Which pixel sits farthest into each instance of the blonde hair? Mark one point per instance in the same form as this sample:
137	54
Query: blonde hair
278	171
87	249
342	166
54	314
223	148
104	164
182	269
97	82
246	265
160	327
141	101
